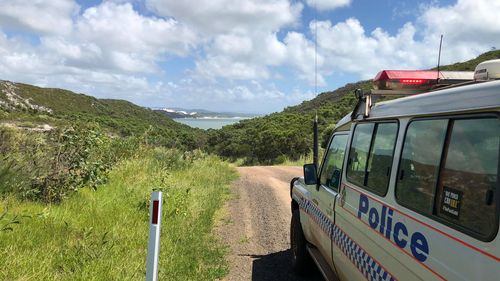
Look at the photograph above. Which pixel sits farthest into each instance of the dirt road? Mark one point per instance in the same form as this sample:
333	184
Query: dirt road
257	224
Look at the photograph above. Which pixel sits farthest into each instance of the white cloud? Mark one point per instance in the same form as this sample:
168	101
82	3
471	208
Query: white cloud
469	28
109	38
122	28
223	67
241	41
347	48
302	55
107	51
223	16
130	41
324	5
47	17
40	66
242	56
234	49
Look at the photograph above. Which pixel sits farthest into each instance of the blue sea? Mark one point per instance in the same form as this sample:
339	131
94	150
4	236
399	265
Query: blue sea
208	123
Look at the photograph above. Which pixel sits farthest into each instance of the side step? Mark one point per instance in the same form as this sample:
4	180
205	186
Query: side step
323	266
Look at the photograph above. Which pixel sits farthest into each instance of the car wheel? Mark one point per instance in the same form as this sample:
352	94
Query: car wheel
301	260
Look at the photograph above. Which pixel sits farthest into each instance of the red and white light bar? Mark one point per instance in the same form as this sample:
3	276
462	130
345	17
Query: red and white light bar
402	82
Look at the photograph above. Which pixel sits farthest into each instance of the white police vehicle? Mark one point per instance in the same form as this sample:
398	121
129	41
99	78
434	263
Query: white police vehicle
408	188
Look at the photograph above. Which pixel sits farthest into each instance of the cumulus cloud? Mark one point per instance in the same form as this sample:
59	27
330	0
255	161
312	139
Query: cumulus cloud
242	56
301	54
234	49
324	5
121	28
128	40
348	48
107	50
469	28
241	41
110	37
223	16
47	17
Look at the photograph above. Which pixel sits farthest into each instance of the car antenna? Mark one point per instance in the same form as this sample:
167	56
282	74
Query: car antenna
315	48
439	58
315	140
315	123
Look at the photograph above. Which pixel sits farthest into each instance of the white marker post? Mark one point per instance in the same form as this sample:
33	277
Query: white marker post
154	236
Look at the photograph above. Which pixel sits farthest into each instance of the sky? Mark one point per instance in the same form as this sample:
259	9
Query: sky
251	56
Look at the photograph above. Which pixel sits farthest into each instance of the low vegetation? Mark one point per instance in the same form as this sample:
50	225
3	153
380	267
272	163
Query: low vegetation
102	234
74	205
50	166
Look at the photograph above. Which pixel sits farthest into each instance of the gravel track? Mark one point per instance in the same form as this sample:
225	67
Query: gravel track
257	225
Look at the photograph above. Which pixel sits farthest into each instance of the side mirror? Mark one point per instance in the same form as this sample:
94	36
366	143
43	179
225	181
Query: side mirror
310	174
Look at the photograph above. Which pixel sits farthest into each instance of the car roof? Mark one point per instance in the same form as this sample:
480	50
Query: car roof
475	97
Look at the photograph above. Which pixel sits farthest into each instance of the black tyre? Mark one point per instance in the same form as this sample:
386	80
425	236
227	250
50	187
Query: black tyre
301	261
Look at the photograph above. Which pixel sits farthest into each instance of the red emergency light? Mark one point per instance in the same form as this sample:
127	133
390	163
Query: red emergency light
412	81
417	81
405	79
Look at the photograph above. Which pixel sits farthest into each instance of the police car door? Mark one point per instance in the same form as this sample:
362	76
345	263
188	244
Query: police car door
357	250
325	195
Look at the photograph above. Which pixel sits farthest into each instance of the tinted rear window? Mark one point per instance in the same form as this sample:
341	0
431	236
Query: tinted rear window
449	171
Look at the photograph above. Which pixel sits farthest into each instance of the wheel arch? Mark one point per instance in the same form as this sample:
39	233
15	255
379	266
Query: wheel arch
294	204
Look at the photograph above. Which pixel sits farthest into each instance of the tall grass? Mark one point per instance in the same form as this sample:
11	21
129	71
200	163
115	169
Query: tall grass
102	234
304	159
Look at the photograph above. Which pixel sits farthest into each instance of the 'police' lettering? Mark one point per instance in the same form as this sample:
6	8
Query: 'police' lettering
419	246
383	223
373	218
363	205
398	238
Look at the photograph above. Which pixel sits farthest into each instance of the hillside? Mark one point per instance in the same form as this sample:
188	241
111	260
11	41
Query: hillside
470	65
268	139
288	134
30	106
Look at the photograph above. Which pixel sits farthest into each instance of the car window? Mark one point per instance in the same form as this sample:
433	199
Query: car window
371	154
358	153
380	157
332	165
469	176
419	166
449	172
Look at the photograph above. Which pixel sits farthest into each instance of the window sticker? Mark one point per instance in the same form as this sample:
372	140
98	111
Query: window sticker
450	204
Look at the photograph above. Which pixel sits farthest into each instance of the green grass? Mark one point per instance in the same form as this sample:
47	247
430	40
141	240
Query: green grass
102	235
304	159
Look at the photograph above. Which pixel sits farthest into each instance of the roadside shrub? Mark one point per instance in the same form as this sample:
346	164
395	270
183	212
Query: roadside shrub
50	166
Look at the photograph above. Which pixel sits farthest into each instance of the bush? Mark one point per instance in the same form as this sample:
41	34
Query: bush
50	166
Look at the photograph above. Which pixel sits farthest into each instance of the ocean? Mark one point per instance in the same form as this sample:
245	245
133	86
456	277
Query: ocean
208	123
